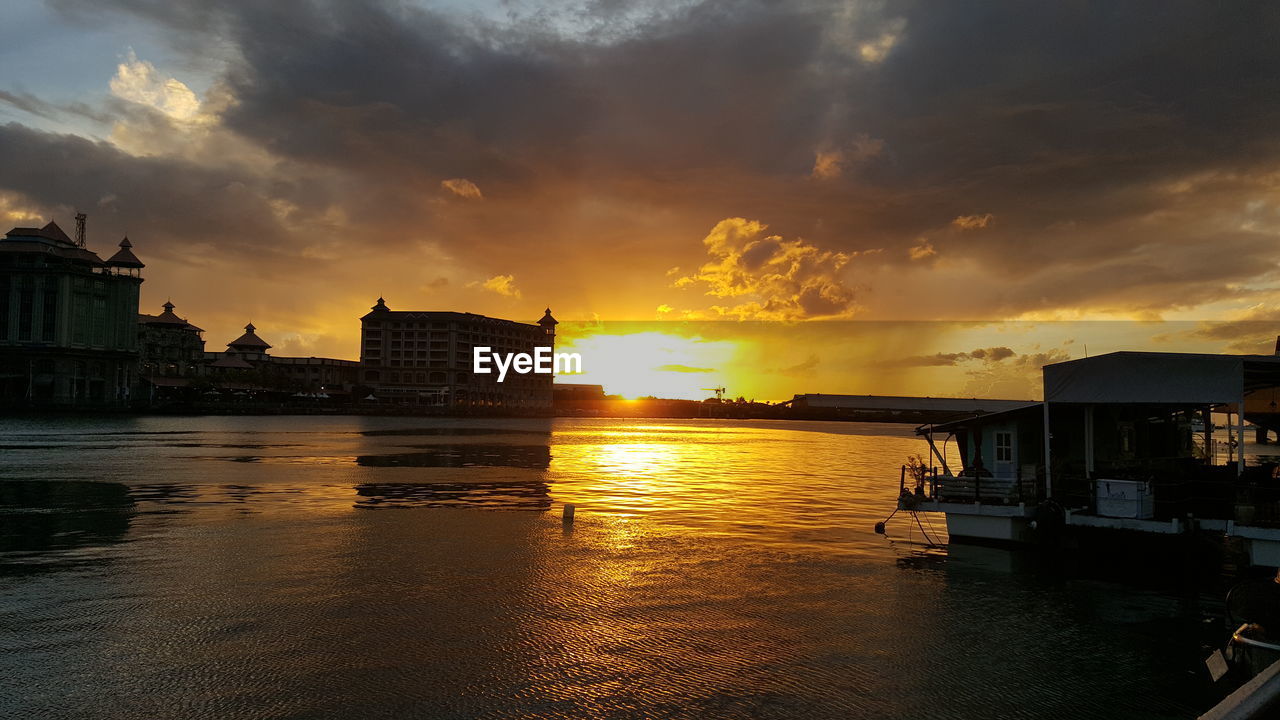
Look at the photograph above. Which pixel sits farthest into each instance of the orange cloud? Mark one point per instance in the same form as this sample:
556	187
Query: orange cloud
779	279
504	285
973	222
923	251
463	188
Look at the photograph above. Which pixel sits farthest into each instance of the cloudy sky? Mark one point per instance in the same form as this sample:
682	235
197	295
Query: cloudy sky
1005	171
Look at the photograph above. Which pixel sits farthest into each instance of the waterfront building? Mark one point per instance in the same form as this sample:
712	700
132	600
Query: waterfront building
247	358
421	357
578	394
169	346
317	374
68	319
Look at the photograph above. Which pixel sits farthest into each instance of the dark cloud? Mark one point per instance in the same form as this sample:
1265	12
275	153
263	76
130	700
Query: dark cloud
985	355
33	105
170	205
1116	144
1256	331
803	368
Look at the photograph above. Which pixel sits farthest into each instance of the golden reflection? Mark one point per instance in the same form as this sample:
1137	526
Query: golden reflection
631	478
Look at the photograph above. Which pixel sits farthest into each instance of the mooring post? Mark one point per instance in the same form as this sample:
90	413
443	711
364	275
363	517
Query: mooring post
569	510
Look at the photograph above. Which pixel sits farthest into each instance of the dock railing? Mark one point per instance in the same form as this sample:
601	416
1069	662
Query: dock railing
989	488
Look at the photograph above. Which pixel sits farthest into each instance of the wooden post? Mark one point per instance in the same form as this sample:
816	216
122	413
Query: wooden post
1209	455
1088	441
1231	429
1240	440
1048	474
569	510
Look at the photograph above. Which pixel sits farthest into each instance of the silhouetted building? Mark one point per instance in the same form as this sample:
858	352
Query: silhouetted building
247	360
169	346
426	358
578	396
68	320
317	374
247	352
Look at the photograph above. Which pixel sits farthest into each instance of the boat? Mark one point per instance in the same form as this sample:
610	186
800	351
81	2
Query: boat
1123	449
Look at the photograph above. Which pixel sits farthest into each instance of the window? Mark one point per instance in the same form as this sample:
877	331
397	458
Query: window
99	320
4	308
1126	438
1004	446
25	307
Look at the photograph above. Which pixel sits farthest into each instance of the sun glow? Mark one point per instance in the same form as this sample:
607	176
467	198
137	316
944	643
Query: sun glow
652	363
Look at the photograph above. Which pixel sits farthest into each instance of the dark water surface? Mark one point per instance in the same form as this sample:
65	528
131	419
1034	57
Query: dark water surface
303	567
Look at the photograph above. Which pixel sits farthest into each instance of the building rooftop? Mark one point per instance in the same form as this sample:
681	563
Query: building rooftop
380	311
50	232
1159	378
124	257
49	240
167	318
249	340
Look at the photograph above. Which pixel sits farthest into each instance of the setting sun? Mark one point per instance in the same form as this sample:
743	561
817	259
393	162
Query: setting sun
652	363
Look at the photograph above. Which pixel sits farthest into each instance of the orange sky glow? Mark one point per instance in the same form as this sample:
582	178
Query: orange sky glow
807	197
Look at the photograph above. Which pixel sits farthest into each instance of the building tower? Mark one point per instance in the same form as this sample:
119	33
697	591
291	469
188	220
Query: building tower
549	324
249	346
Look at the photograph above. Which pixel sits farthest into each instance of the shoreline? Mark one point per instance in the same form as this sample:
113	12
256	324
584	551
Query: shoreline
719	413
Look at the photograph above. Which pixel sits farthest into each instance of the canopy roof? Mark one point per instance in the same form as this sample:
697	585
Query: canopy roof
1160	378
1028	409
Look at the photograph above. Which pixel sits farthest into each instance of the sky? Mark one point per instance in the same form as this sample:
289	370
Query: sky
872	197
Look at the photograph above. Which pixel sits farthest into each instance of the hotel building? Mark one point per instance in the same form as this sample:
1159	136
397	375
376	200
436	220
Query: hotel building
425	358
68	319
248	353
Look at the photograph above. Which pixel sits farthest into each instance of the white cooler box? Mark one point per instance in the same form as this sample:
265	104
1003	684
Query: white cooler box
1125	499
